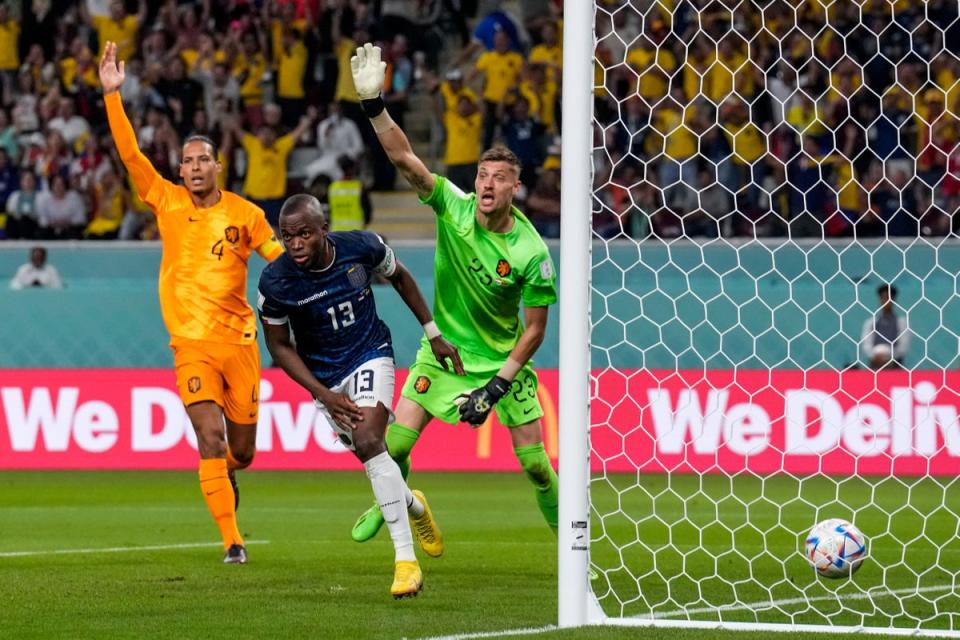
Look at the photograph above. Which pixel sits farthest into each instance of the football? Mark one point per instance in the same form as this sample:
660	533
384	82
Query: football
835	548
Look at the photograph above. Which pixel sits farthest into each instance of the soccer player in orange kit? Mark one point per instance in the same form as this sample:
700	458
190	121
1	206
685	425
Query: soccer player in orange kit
208	235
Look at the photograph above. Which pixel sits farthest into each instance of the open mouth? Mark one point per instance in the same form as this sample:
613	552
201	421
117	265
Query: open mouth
487	198
196	181
300	259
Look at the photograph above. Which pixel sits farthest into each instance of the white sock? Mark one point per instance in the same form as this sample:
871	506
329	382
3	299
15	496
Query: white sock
393	497
414	506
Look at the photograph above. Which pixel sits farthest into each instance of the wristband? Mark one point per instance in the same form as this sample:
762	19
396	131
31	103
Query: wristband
373	106
430	328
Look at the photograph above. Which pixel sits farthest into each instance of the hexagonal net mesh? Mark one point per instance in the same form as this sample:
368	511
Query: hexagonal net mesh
774	313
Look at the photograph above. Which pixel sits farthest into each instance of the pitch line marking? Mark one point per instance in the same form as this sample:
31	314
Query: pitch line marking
155	547
477	635
767	604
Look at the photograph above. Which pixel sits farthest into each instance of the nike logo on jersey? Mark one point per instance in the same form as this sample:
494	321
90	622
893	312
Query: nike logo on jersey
192	219
384	345
210	493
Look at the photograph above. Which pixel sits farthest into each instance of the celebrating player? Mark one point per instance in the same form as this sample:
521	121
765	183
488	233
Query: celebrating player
489	258
344	356
208	236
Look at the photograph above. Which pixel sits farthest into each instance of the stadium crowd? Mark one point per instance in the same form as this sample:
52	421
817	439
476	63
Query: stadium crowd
776	117
804	118
270	83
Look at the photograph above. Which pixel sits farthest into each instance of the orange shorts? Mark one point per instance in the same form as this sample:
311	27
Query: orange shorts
228	374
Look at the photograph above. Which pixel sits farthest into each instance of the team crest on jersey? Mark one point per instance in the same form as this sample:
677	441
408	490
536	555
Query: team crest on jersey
503	268
356	276
422	384
232	234
193	384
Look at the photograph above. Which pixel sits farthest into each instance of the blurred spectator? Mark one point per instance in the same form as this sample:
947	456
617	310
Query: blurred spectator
37	273
349	200
54	158
182	95
118	26
523	135
109	207
885	339
61	212
22	209
9	177
8	136
266	180
291	66
500	68
543	203
462	127
250	67
71	127
9	44
549	51
336	136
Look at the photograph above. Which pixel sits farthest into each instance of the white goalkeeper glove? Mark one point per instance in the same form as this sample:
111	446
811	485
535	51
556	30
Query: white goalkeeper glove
368	71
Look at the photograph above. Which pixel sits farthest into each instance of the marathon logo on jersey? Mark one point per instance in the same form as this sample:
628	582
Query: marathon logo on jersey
422	384
193	384
503	268
356	276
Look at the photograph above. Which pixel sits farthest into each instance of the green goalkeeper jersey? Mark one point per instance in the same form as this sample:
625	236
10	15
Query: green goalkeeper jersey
481	277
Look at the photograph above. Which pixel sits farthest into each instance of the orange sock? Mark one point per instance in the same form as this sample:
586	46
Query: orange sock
218	493
232	463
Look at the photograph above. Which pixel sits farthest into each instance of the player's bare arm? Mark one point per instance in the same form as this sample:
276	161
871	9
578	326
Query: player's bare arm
476	405
368	76
284	353
402	280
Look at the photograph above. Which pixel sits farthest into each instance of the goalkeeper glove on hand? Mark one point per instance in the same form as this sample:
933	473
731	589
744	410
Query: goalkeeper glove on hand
368	74
476	406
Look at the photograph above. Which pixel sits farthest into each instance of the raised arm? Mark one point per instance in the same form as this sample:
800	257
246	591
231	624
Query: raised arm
406	286
368	73
111	78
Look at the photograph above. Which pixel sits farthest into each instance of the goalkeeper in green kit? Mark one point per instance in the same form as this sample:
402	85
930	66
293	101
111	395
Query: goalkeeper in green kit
489	259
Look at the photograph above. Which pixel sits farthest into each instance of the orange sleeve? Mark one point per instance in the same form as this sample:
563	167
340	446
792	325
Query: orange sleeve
142	173
262	238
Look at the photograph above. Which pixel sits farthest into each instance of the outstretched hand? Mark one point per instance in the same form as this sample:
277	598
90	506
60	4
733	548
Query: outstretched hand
111	73
368	71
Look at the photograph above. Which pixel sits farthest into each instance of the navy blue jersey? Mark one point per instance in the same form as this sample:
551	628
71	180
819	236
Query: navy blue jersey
331	311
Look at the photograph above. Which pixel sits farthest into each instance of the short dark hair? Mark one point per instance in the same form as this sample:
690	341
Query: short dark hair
888	289
501	154
199	137
301	202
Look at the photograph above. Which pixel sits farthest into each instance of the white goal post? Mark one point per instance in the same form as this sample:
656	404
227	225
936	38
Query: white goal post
732	376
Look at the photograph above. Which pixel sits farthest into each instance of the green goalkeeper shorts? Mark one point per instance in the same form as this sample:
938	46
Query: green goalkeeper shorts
435	389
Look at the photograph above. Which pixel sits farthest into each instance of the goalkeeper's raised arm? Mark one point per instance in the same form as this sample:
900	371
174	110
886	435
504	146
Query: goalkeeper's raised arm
368	74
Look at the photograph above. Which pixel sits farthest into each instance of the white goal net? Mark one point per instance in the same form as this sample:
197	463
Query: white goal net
773	321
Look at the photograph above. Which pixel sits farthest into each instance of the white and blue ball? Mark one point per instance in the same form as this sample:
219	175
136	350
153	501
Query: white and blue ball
835	548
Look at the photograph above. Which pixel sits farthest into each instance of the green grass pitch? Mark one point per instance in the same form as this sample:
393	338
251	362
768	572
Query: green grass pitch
135	554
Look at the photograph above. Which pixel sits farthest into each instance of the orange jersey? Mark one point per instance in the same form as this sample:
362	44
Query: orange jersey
203	272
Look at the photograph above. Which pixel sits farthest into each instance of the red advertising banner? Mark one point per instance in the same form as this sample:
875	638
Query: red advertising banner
133	419
655	421
800	422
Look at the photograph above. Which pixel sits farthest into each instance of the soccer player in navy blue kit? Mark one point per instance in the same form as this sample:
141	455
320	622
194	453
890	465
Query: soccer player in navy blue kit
343	355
